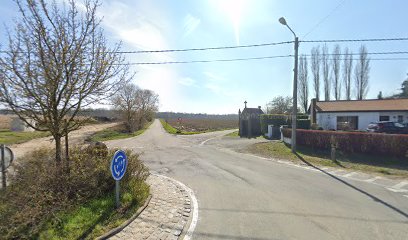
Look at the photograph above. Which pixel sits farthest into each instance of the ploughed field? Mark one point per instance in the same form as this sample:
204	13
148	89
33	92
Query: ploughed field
202	124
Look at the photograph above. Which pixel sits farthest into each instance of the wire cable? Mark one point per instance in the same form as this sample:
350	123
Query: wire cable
356	40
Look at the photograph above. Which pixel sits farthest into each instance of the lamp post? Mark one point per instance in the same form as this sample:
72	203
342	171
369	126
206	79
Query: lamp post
295	74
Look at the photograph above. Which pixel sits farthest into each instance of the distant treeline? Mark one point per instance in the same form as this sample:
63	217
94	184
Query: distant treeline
170	115
109	115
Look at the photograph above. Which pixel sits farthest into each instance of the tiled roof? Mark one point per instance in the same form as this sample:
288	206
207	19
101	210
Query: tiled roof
252	110
363	105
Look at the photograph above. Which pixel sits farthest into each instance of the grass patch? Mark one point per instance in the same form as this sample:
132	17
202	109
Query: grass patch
170	129
233	134
10	137
390	166
116	132
93	218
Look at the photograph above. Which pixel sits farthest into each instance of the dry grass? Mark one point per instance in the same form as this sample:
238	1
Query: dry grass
5	121
202	124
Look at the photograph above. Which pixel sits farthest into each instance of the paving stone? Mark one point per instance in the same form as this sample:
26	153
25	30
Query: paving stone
166	215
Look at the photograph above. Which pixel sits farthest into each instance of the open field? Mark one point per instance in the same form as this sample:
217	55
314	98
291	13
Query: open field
10	137
201	125
389	166
116	132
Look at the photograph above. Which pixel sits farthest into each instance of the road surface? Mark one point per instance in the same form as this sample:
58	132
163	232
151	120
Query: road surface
245	197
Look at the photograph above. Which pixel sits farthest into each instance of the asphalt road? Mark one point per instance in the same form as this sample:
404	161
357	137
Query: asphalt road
244	197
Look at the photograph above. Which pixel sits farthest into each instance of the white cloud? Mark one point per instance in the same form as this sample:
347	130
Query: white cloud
186	81
190	24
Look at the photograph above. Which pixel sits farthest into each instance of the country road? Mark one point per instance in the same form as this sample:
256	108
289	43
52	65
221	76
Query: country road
245	197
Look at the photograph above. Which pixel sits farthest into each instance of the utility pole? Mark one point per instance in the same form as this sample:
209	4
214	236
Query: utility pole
295	77
295	81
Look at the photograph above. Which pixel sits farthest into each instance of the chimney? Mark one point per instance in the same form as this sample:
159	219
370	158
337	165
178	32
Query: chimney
259	107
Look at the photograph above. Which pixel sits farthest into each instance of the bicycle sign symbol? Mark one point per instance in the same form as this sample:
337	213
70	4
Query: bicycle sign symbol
118	165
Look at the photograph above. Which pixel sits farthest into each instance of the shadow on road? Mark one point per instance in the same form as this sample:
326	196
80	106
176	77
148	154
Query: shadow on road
355	188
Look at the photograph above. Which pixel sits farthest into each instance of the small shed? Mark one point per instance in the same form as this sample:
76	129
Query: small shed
250	121
18	125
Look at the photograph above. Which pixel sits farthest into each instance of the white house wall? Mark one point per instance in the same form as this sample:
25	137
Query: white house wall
329	120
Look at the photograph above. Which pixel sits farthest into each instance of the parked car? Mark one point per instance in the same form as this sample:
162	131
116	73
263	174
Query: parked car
387	127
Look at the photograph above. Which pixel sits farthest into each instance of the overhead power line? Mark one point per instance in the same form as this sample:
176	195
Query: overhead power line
208	61
355	40
208	48
264	57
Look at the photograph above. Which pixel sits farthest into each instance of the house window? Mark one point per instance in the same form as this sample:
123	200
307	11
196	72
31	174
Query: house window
400	118
347	123
384	118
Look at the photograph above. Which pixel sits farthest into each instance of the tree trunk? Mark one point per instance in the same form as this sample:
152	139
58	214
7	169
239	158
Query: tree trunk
57	139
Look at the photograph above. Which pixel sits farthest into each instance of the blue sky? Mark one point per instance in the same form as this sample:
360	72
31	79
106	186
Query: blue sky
223	87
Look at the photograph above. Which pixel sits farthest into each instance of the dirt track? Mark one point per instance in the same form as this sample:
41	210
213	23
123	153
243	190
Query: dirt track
75	137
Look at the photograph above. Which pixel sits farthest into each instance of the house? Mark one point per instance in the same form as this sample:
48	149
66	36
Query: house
250	122
357	114
18	125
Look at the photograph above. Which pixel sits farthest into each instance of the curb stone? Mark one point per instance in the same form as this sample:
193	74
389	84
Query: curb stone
167	215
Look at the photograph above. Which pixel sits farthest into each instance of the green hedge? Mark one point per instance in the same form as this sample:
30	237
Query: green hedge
278	120
353	142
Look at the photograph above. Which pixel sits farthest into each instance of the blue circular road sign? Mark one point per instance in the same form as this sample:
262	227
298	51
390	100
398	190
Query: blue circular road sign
118	165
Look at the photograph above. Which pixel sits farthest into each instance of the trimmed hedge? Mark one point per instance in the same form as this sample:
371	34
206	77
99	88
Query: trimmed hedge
353	142
278	120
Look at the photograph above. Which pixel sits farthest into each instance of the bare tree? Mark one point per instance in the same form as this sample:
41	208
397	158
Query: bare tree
56	63
361	73
303	83
315	66
137	106
148	101
347	70
336	72
326	72
126	101
279	105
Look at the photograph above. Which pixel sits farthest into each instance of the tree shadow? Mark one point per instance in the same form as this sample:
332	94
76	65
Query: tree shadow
354	187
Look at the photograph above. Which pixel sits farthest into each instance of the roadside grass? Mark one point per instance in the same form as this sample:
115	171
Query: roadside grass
390	166
10	137
233	134
93	218
170	129
116	132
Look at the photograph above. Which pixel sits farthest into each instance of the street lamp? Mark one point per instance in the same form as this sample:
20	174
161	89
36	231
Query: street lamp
295	73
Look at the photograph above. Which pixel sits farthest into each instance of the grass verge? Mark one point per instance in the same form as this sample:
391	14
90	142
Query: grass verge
392	167
116	132
170	129
233	134
93	218
10	137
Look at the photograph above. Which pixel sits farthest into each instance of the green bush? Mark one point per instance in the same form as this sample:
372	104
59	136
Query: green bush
39	191
303	124
276	120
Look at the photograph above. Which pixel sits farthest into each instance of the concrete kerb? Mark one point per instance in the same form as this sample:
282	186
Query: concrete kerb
127	222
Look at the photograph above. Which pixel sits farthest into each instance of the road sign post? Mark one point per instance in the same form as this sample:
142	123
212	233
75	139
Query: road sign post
7	157
118	169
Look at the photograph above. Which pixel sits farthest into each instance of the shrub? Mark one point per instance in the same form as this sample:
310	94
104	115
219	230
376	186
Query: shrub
303	124
38	191
276	120
353	142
